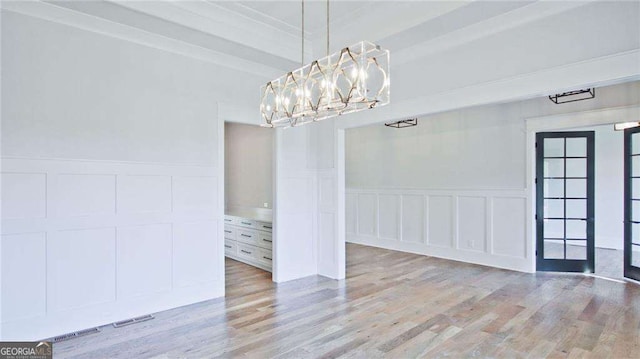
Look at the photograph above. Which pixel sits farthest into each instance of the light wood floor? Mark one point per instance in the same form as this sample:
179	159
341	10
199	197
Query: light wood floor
394	305
608	262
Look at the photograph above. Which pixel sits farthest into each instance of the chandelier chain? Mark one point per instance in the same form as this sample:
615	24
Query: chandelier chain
302	37
327	27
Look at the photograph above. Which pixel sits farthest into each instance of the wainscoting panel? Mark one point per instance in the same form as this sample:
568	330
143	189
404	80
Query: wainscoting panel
351	213
144	260
509	230
85	194
389	216
195	255
472	223
367	214
24	291
326	191
24	195
139	194
441	217
326	228
102	241
195	194
413	218
82	269
326	244
478	226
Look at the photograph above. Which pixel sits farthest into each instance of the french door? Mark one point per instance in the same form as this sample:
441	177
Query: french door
632	203
565	201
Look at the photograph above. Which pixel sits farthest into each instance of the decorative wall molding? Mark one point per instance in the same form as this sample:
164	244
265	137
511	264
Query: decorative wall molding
476	226
105	241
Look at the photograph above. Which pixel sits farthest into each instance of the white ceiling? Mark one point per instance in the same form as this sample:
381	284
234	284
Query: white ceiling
270	30
287	15
444	54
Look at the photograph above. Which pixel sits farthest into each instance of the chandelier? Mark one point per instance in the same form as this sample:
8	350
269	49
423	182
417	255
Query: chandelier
352	79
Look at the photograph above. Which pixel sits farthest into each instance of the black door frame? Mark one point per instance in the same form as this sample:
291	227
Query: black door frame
629	270
565	265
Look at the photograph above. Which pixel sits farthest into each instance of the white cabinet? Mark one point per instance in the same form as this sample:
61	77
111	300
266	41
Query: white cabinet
249	241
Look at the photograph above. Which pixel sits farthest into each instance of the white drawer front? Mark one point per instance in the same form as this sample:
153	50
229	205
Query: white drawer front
265	257
264	226
230	220
230	247
264	240
229	232
248	252
247	236
248	223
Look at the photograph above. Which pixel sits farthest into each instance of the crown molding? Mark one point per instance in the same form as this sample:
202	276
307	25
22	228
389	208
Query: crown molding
214	19
490	26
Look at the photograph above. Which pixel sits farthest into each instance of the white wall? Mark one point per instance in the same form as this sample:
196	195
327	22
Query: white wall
248	166
111	179
306	203
455	186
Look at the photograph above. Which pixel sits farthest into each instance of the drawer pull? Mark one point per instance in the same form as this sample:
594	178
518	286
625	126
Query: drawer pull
267	258
243	251
247	223
245	235
227	246
267	227
267	240
227	220
225	231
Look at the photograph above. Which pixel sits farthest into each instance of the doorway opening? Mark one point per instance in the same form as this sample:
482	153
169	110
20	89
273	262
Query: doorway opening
565	203
248	229
579	201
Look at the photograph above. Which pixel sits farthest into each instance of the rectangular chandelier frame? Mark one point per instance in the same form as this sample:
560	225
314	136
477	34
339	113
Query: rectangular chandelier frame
352	79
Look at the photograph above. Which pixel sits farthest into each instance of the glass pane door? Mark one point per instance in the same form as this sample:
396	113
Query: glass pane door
565	201
632	203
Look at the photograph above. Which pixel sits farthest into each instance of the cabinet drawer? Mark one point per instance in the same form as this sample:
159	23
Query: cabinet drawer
229	232
264	240
265	257
243	222
230	220
250	253
264	226
230	247
247	236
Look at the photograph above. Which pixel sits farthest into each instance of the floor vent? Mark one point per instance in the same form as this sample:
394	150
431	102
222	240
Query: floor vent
73	335
126	322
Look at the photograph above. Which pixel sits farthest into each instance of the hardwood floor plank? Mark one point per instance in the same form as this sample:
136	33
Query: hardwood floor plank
391	305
